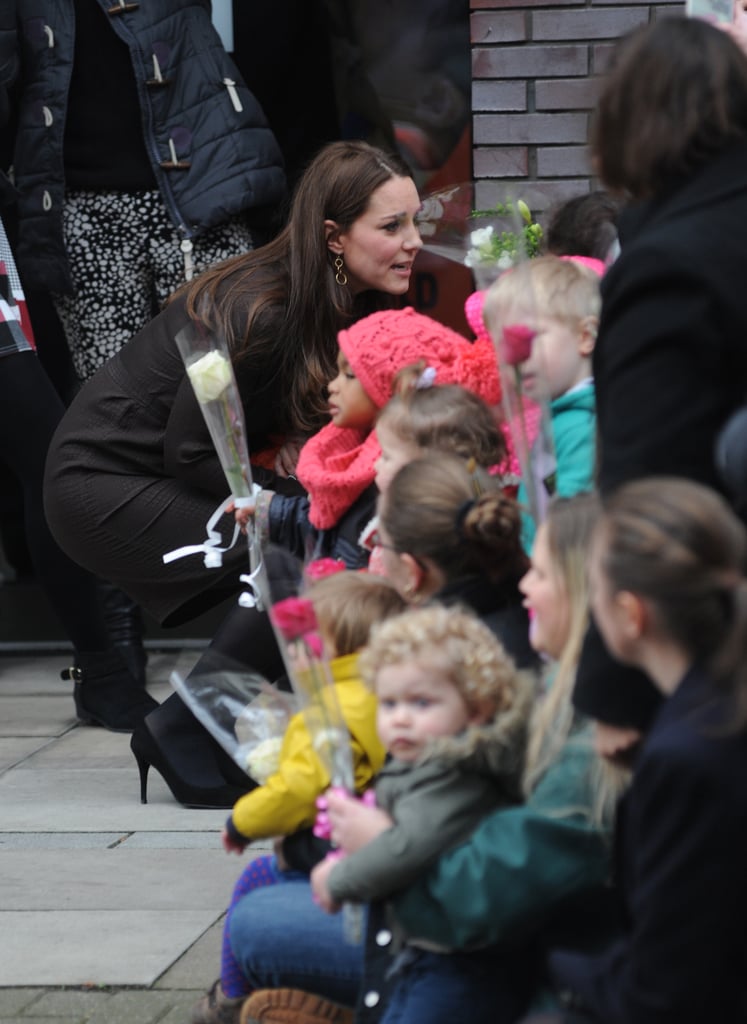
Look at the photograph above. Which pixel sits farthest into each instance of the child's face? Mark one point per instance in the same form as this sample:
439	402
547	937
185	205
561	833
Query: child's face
546	599
349	405
416	703
560	357
395	453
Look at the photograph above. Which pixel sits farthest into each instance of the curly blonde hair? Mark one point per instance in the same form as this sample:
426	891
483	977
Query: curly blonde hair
454	642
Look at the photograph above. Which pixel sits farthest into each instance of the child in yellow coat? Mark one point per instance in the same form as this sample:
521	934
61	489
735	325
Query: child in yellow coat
347	604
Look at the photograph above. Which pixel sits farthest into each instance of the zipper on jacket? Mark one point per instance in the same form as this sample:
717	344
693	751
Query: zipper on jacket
231	86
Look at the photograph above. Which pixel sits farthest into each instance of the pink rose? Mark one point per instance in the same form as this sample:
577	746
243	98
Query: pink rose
517	343
314	644
293	617
321	567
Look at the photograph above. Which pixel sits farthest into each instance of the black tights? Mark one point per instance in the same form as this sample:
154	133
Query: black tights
30	410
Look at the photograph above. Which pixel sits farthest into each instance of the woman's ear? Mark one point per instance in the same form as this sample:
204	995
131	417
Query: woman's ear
414	577
332	236
635	614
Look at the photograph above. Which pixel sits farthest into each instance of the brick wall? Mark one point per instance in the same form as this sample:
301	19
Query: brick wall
535	74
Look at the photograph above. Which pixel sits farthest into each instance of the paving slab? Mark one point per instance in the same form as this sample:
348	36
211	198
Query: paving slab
95	947
110	910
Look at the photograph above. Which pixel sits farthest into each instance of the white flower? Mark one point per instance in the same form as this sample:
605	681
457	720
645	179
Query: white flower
505	261
210	376
264	759
482	238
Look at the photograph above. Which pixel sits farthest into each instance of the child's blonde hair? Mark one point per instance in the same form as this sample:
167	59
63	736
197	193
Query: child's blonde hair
443	417
549	286
349	603
455	642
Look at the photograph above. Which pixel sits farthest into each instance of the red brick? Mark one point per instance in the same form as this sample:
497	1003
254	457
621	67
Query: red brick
562	161
495	162
494	27
587	24
530	61
497	95
525	129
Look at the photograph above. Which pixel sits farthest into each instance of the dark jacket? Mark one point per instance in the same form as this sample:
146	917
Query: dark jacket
670	362
8	72
500	607
232	161
682	849
289	526
670	366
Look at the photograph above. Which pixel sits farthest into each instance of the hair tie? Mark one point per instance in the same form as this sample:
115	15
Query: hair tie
461	514
426	378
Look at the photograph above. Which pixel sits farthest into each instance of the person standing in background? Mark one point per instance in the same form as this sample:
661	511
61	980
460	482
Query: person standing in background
30	410
140	158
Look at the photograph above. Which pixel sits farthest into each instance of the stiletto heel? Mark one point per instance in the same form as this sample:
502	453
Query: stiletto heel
193	781
142	767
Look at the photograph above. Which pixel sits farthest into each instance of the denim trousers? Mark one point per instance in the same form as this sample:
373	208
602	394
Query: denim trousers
281	938
481	987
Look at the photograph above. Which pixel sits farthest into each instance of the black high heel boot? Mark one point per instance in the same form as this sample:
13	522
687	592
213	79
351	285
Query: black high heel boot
123	618
105	692
174	743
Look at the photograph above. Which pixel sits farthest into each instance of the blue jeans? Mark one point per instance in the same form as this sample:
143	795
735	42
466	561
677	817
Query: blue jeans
483	987
280	939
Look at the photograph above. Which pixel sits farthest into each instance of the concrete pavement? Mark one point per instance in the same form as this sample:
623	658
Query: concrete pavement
110	910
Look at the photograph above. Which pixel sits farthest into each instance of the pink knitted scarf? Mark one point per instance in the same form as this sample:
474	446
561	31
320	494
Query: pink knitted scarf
335	466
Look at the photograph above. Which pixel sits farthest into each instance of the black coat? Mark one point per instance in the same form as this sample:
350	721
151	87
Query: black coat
670	366
682	850
670	363
500	607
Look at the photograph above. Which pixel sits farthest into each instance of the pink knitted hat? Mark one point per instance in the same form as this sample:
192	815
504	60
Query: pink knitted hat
380	345
598	266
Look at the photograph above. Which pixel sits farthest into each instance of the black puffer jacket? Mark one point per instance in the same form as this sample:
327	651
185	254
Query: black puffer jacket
231	159
8	72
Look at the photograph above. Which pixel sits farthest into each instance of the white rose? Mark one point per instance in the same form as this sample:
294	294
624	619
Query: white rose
264	760
210	376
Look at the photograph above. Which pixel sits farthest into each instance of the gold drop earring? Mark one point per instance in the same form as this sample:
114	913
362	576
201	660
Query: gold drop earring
340	276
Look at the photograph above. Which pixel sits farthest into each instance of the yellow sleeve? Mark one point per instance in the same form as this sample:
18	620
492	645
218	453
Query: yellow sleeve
287	801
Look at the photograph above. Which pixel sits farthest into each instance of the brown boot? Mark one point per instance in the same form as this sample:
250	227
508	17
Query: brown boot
217	1008
291	1006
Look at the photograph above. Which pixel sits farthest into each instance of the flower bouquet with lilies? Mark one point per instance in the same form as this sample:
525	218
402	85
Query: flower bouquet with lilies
487	241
